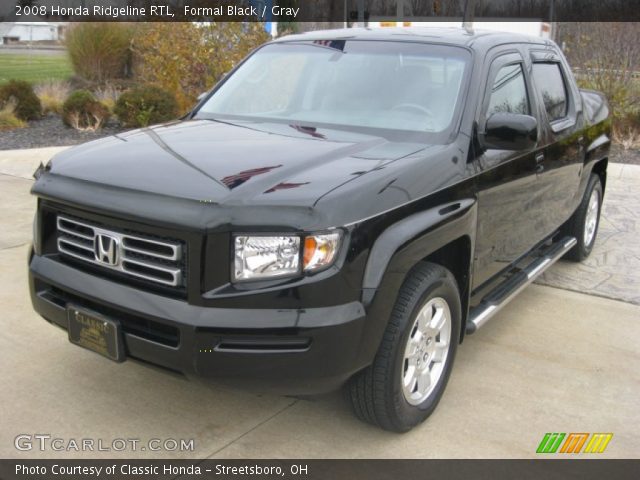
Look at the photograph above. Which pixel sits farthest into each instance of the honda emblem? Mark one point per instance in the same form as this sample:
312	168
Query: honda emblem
107	250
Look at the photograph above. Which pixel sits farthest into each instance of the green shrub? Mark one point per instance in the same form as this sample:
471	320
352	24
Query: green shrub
83	112
145	106
100	51
8	119
27	104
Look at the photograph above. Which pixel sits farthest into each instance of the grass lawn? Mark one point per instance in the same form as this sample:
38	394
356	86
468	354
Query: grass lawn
34	68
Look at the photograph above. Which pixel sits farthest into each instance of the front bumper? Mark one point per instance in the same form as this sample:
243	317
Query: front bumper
290	351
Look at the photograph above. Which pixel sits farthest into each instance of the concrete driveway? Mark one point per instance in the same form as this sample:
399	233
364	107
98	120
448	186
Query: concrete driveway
613	268
551	361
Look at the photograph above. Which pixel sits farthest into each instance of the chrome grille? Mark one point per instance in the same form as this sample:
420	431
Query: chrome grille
155	260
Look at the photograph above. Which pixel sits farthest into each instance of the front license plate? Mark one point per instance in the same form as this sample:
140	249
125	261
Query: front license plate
95	332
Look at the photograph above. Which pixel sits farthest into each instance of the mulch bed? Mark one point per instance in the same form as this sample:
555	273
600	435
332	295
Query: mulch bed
620	155
51	132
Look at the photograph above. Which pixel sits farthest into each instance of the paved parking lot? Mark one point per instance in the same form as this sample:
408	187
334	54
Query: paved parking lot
552	361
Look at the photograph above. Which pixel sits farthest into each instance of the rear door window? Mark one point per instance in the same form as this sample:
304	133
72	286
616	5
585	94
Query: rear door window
551	85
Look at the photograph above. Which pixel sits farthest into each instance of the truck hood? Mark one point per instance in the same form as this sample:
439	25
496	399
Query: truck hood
217	162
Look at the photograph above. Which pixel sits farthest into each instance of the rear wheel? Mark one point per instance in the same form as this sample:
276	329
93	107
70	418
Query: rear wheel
583	225
410	371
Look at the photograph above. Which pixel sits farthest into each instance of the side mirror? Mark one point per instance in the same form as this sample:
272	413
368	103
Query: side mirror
510	131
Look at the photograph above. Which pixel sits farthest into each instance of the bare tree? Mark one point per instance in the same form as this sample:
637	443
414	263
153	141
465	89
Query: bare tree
606	57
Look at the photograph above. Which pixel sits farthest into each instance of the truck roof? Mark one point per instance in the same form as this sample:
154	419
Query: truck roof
475	39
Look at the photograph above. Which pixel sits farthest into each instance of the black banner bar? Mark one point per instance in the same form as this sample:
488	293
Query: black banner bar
582	469
348	11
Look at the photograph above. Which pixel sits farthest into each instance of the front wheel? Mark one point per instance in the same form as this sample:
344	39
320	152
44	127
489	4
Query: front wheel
410	371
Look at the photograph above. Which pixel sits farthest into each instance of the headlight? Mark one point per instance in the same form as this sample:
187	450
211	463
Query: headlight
266	257
263	257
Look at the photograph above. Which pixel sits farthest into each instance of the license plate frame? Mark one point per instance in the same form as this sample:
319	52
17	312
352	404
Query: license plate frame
96	332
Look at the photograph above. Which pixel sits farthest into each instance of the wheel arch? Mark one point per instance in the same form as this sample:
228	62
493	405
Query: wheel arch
443	235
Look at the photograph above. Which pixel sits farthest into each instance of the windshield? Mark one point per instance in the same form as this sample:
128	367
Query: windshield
372	84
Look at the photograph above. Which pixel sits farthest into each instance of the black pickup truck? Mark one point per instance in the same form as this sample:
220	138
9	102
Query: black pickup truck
341	209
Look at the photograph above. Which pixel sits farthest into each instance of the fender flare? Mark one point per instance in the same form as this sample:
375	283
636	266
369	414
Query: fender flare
398	249
403	232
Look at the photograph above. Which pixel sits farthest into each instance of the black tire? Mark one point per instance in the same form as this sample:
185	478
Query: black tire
376	393
576	225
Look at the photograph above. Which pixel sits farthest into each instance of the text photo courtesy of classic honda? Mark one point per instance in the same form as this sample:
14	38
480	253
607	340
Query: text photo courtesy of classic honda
339	211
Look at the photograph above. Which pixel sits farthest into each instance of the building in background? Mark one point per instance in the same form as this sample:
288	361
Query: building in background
31	32
536	29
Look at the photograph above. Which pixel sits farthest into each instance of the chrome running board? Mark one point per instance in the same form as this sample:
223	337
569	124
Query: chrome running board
497	298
